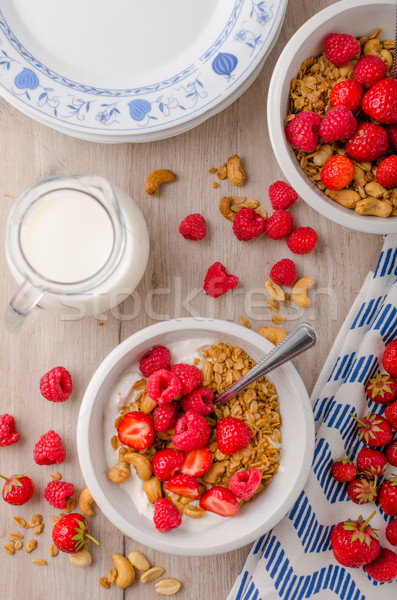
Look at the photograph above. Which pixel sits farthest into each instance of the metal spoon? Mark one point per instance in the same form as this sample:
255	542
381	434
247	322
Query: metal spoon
303	337
395	52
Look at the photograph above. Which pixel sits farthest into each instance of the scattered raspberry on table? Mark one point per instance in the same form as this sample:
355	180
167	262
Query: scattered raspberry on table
283	272
8	433
279	224
49	449
218	281
282	195
193	227
302	240
56	385
57	492
248	225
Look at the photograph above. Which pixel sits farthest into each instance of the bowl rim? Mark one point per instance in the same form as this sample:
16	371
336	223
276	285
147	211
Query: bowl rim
306	189
88	403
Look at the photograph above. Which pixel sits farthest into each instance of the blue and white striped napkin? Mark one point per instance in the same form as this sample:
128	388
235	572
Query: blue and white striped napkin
295	560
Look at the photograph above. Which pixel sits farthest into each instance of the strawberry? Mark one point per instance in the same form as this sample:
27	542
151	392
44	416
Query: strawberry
197	462
386	173
382	388
392	133
183	485
371	463
344	470
384	567
380	102
391	453
167	462
18	489
136	430
388	496
362	490
70	533
391	532
219	500
347	93
232	435
354	543
337	172
374	430
368	143
391	414
389	358
166	515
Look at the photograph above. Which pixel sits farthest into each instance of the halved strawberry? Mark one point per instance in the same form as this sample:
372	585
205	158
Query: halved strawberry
183	485
197	462
219	500
136	430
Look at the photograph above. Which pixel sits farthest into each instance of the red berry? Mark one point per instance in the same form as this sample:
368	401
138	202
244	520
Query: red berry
200	400
391	532
392	133
219	500
344	470
340	48
386	173
279	224
136	430
8	433
248	225
382	388
18	489
191	431
384	567
389	358
347	93
391	453
166	515
362	490
193	227
371	463
164	417
391	414
302	130
167	462
283	272
337	124
197	462
337	172
282	195
156	359
189	376
302	240
374	430
218	281
56	385
183	485
354	543
49	449
71	534
368	143
232	435
369	69
57	492
380	102
388	496
163	386
245	483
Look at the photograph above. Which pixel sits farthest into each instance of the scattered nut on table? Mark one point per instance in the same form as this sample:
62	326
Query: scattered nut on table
85	503
156	178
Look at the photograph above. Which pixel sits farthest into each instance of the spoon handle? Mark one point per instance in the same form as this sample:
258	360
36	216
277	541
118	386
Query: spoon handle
301	338
394	73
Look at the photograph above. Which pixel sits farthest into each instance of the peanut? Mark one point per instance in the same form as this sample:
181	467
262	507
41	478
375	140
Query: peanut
156	178
275	291
374	189
386	57
324	153
139	560
373	46
235	172
151	574
168	587
274	334
147	405
81	559
299	292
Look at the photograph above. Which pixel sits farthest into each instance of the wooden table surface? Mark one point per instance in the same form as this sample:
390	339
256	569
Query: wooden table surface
29	152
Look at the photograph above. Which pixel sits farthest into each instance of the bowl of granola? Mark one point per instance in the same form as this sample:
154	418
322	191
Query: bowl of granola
303	80
169	467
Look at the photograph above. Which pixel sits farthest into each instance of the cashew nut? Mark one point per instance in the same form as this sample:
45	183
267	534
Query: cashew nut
194	512
147	404
152	489
359	176
120	472
373	206
274	334
374	189
347	198
299	292
275	291
235	172
346	69
373	46
125	571
386	57
156	178
85	501
324	153
225	208
142	464
81	559
214	472
221	173
139	560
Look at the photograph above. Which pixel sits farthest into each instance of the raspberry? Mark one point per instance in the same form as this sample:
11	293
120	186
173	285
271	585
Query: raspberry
337	172
347	93
392	134
191	431
164	417
369	69
218	281
193	227
163	386
279	224
157	358
391	532
386	173
337	124
368	143
56	385
245	483
57	492
302	130
282	195
232	435
248	225
49	449
8	434
340	48
302	240
200	400
167	462
189	376
283	272
166	515
380	102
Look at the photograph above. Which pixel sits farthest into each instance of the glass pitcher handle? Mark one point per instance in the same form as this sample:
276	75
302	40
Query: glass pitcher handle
21	306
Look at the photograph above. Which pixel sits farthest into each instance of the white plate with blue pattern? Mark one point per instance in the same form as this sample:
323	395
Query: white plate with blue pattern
131	70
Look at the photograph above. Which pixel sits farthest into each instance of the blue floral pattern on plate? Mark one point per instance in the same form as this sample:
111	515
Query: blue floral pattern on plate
239	47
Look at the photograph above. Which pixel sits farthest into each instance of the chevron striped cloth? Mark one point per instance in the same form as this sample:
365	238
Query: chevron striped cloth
295	560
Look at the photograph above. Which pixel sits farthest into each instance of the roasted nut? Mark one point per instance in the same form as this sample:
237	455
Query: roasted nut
18	545
322	155
56	476
347	198
278	319
374	189
167	587
151	574
103	581
81	559
245	322
85	503
359	176
372	206
30	546
275	291
207	370
120	472
142	465
139	560
9	548
373	46
20	521
273	305
274	334
235	172
156	178
261	211
194	512
39	561
347	69
251	204
221	173
299	292
53	550
225	208
112	576
125	571
152	489
386	57
38	529
147	404
214	472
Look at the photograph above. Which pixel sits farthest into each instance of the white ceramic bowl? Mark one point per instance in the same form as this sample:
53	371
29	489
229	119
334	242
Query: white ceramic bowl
359	18
253	519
